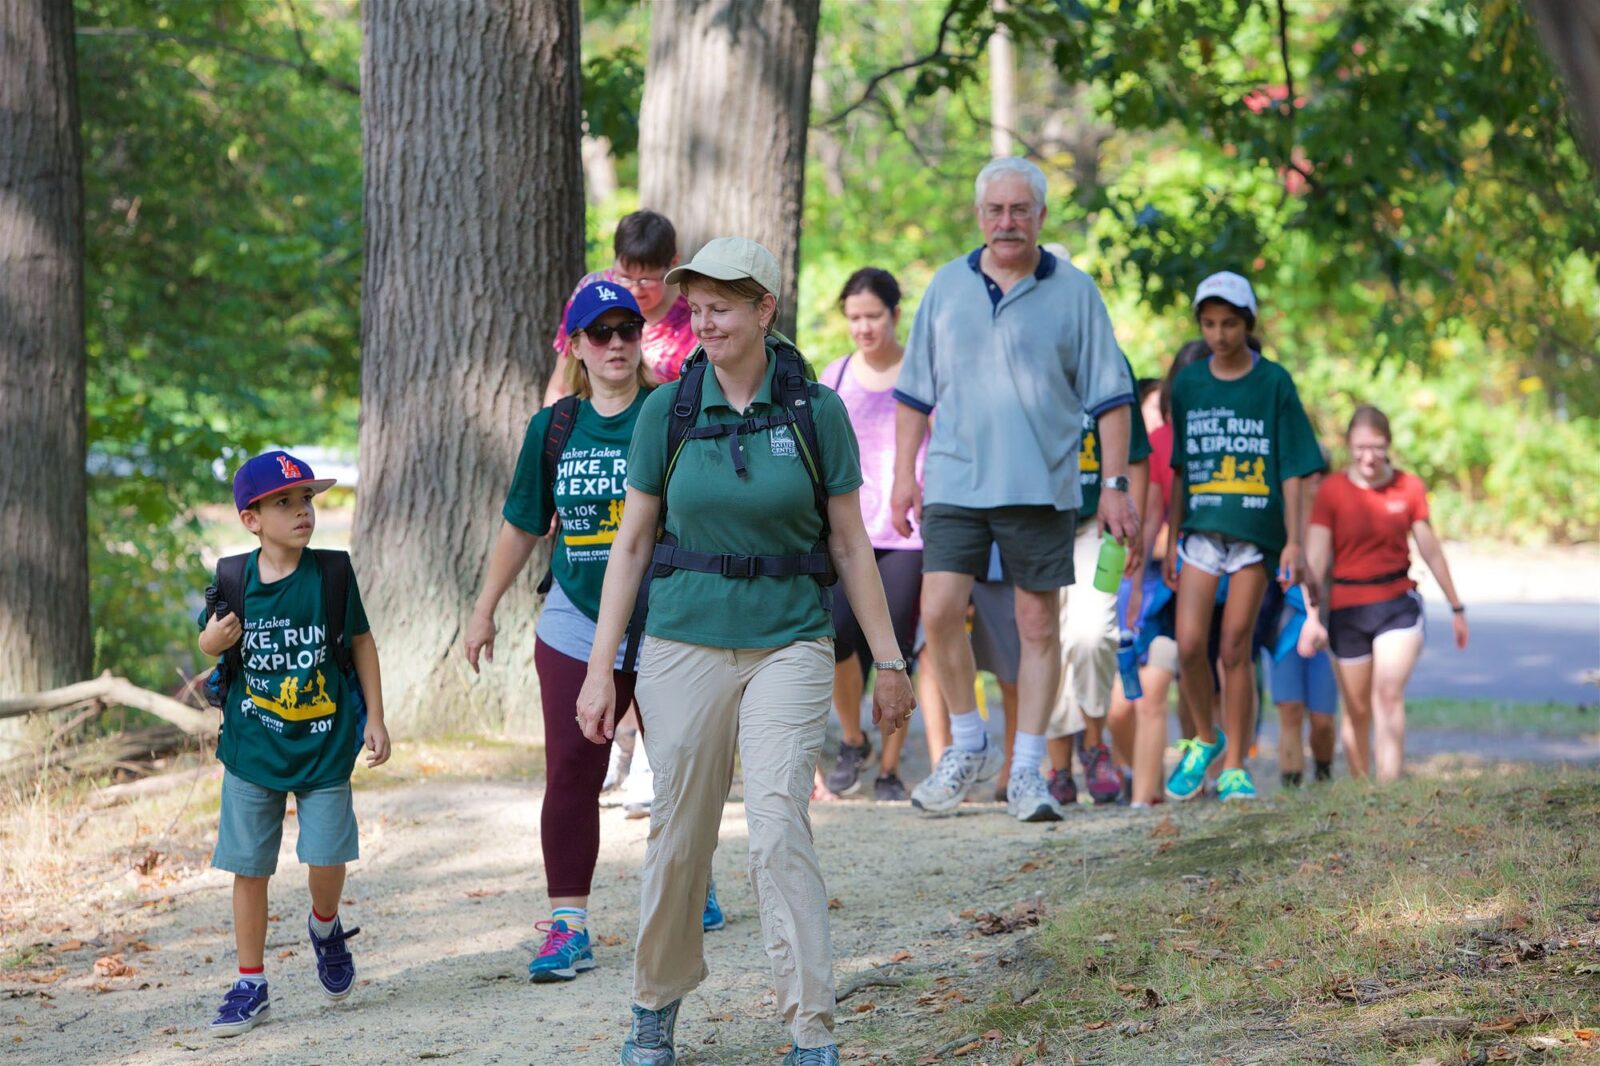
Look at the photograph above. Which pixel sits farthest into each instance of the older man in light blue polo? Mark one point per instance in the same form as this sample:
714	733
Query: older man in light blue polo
1011	346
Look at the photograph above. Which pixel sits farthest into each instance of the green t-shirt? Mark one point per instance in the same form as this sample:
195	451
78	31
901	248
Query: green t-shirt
1089	455
771	511
588	492
1234	444
289	722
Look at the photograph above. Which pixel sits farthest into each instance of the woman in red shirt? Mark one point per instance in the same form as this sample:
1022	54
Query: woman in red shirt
1357	548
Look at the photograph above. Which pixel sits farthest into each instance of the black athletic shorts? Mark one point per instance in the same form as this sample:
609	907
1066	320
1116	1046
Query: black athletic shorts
901	571
1035	543
1351	630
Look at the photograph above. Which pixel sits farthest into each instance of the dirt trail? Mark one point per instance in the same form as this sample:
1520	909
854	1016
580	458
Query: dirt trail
447	891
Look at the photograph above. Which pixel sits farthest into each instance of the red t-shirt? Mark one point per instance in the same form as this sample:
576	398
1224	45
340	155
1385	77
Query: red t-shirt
1370	528
1161	459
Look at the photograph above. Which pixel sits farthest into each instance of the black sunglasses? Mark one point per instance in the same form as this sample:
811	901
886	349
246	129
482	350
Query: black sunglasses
600	334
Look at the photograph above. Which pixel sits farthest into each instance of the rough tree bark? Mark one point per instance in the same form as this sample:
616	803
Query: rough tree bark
1571	35
722	130
474	237
44	563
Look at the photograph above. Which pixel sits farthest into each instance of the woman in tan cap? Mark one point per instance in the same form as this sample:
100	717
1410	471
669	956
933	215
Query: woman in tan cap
750	476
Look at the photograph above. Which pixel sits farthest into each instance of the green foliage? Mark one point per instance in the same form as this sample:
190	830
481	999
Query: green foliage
222	176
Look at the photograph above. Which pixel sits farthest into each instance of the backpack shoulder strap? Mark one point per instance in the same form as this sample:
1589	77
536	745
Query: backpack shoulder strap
336	573
798	394
230	590
683	415
563	416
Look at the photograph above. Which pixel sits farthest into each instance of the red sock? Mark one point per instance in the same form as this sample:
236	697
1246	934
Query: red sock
252	971
324	917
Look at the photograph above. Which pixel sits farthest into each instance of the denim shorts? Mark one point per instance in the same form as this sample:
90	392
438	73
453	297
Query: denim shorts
1308	681
251	828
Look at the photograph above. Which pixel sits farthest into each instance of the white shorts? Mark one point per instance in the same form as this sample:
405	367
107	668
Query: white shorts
1218	555
1164	655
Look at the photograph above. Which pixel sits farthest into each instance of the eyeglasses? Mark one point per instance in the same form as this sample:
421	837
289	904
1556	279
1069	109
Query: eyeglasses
1017	212
599	334
641	282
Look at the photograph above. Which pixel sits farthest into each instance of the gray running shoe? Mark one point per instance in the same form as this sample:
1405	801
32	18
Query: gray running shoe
649	1042
1028	798
812	1056
889	789
845	777
956	775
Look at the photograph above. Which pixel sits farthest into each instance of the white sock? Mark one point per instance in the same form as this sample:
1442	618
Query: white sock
320	927
1027	752
966	732
577	918
254	978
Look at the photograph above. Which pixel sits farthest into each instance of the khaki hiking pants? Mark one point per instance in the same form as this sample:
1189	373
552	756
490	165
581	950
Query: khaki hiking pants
1089	636
698	706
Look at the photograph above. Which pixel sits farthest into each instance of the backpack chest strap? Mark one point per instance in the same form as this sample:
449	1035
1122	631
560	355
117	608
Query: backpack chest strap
736	430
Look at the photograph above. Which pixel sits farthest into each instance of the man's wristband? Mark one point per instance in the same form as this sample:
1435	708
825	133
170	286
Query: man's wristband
1459	608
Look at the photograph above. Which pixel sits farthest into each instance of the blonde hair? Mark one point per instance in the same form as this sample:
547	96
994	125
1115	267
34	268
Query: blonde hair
741	289
575	375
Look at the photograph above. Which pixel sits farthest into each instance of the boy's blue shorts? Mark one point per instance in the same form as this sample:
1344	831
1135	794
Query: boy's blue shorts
1308	681
251	828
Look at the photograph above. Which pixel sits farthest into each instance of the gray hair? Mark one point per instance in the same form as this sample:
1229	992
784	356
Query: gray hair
1012	164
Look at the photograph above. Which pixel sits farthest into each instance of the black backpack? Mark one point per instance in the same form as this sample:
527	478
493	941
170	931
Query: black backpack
794	391
226	596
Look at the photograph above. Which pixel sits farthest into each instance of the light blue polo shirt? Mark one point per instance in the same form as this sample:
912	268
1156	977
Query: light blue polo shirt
1011	376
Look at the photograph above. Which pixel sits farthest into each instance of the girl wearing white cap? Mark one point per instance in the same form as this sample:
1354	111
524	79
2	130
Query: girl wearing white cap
1242	445
753	479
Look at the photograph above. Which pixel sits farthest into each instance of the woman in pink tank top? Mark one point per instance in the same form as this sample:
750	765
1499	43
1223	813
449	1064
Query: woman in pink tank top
865	381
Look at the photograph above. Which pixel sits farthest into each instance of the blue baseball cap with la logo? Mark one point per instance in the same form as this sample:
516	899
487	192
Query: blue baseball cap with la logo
595	299
272	472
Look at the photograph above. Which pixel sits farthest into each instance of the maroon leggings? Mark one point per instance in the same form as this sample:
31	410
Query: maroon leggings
575	768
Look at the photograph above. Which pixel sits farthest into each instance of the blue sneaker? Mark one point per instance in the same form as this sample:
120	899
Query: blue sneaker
243	1008
566	953
649	1042
1189	776
1235	785
711	918
812	1056
336	970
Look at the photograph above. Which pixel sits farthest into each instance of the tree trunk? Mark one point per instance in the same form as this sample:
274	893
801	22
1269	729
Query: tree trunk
1002	89
44	561
1571	35
722	130
474	237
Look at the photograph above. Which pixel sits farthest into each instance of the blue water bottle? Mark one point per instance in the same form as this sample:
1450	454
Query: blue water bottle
1128	666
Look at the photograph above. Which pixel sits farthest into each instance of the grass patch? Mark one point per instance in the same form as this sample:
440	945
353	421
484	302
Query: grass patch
1505	716
1319	927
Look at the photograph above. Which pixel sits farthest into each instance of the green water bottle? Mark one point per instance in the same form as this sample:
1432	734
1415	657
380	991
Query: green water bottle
1108	568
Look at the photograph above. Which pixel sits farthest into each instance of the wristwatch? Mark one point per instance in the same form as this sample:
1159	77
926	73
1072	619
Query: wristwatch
1118	482
891	664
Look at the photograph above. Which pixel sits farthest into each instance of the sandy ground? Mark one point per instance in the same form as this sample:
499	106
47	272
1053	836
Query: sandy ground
447	891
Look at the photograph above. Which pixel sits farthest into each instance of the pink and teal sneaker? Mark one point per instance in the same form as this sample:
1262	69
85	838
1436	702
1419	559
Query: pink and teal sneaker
566	953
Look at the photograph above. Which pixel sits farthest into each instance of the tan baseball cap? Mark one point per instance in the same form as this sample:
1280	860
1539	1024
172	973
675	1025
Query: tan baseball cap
732	259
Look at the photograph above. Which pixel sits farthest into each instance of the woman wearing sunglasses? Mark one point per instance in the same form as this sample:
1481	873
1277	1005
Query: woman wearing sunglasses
585	487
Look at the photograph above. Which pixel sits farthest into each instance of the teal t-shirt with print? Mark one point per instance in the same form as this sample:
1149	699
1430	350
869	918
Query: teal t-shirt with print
771	511
1234	443
290	722
588	492
1089	454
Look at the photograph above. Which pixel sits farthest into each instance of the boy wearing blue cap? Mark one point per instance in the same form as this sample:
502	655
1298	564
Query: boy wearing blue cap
300	694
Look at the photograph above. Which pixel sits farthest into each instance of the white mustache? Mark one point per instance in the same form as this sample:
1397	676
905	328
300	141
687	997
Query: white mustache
1008	235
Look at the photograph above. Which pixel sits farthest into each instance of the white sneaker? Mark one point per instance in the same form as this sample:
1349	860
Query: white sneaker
1028	797
957	774
621	758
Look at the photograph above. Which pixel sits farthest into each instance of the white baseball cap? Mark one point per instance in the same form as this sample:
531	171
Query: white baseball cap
732	259
1228	287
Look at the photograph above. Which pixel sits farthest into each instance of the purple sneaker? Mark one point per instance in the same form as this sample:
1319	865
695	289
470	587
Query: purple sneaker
1101	775
1062	788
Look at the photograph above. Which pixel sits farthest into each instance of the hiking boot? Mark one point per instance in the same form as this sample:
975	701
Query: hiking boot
1028	798
812	1056
1324	771
649	1042
1188	778
1101	775
958	771
1063	788
565	954
888	788
845	777
336	970
1292	778
243	1008
711	918
1235	785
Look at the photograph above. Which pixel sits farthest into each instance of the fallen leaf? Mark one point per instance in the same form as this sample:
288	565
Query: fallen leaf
147	865
286	953
1029	866
1515	922
481	893
927	1060
970	914
609	940
835	904
900	956
1135	1028
968	1048
1092	1026
866	1008
994	1034
1164	828
1309	868
71	945
113	966
167	1030
1583	1034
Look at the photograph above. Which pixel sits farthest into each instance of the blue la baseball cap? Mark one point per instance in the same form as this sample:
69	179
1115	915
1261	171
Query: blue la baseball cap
595	299
272	472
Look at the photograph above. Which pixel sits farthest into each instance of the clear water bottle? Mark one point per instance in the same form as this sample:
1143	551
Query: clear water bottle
1128	666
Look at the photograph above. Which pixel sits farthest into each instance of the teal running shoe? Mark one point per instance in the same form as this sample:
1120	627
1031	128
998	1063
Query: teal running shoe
1189	776
711	918
812	1056
566	953
649	1042
1235	785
